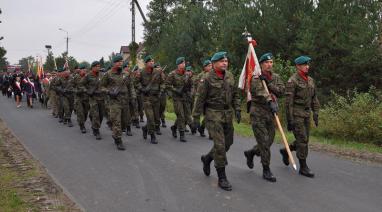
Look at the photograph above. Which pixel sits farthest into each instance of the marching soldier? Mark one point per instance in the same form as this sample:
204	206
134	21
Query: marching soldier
81	98
129	99
113	84
218	97
91	85
151	85
207	66
65	111
301	99
262	110
177	83
53	94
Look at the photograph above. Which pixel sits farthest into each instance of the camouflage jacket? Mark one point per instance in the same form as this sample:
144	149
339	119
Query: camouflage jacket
260	98
153	82
90	84
301	97
176	83
114	80
217	98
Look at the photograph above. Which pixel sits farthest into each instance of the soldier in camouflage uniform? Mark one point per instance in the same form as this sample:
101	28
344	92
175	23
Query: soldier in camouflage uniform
218	97
207	66
177	83
53	95
151	85
108	122
262	110
113	84
65	97
81	98
163	102
130	99
301	99
91	85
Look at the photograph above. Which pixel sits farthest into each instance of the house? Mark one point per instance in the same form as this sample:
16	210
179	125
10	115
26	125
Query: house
125	52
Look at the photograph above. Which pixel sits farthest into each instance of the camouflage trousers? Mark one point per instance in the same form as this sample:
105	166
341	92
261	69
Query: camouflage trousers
82	109
140	106
222	135
116	114
53	102
182	117
150	105
263	128
126	117
97	111
65	107
162	106
301	134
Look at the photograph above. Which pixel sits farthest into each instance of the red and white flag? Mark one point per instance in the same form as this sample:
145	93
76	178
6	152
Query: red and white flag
251	68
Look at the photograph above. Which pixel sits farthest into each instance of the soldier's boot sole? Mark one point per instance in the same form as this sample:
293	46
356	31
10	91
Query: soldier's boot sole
285	157
249	156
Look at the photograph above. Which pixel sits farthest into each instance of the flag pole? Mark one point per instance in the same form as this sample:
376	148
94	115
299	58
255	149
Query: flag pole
284	139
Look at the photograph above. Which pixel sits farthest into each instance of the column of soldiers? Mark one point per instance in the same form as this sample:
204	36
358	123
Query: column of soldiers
120	94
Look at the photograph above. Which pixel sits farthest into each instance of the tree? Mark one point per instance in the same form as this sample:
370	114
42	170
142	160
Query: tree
133	47
25	62
49	62
3	59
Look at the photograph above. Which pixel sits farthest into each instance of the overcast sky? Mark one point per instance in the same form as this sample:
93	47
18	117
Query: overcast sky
96	27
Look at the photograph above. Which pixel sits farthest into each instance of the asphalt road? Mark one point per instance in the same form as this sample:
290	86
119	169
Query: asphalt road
168	176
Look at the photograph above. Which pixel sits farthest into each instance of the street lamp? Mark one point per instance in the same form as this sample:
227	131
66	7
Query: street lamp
67	40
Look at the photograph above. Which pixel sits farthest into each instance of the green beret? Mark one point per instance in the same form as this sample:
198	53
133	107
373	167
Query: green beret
125	64
117	58
302	60
218	56
82	66
265	57
148	58
180	60
95	63
188	68
206	63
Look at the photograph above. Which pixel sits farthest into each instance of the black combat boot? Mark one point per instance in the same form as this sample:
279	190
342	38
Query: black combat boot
284	155
157	130
97	134
70	124
267	174
193	129
153	139
304	169
144	132
181	136
118	142
206	160
173	130
223	183
83	129
94	131
128	131
163	123
249	154
201	131
65	121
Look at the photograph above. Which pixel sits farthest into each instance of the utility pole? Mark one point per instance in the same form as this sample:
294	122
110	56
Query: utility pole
67	41
132	22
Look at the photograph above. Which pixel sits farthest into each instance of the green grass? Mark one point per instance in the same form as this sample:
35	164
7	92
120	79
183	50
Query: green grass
245	130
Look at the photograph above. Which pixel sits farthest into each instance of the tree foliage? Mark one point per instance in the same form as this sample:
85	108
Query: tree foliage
343	37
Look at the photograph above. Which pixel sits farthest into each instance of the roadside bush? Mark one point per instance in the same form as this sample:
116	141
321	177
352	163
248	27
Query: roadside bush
356	116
